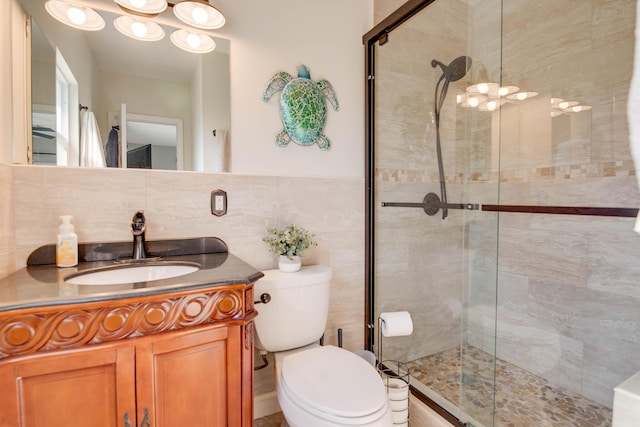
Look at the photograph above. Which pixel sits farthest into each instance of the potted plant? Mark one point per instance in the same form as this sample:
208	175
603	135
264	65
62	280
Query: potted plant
289	244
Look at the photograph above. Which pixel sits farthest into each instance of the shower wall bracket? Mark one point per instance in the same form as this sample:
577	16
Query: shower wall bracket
432	205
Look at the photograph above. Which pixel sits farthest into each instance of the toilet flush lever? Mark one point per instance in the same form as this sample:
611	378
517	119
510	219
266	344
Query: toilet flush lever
265	298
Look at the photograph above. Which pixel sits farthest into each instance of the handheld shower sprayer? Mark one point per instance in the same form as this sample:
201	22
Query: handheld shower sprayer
456	70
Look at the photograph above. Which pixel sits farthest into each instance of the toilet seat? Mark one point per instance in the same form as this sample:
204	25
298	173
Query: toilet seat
335	385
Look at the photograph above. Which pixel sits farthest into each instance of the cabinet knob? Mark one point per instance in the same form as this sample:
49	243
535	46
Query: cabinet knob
145	421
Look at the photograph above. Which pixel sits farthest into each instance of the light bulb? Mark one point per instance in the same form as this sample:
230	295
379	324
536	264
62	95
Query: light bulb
483	88
199	15
473	101
576	109
491	105
193	40
140	4
459	98
139	29
521	96
563	105
76	15
503	91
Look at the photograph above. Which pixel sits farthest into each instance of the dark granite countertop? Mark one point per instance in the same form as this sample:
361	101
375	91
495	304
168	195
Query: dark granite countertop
42	284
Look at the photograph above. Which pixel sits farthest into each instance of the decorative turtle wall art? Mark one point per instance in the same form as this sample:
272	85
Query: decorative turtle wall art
303	109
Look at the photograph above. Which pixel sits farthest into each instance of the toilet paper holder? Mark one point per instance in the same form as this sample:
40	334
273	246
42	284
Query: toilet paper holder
396	378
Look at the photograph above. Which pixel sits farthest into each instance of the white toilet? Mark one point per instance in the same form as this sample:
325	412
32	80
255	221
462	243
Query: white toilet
317	385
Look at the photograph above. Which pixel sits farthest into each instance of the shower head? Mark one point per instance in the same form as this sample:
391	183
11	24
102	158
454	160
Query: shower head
450	73
456	70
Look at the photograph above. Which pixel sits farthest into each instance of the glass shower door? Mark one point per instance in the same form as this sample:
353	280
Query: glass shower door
524	294
422	259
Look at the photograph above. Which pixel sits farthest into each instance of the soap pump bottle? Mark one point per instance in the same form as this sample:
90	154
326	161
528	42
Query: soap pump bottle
67	247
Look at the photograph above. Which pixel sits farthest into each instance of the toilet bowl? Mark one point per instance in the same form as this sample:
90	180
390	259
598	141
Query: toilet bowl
317	386
329	386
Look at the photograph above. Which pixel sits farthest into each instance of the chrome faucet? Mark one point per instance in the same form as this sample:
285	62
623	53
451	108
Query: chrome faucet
138	227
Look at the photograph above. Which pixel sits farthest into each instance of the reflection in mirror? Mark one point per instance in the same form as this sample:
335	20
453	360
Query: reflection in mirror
152	78
163	136
43	97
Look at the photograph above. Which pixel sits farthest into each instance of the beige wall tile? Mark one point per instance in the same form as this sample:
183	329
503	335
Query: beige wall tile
7	232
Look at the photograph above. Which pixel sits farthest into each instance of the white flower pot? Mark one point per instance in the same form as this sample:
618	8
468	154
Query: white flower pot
289	265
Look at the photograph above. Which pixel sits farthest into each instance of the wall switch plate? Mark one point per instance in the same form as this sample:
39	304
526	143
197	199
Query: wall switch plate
218	202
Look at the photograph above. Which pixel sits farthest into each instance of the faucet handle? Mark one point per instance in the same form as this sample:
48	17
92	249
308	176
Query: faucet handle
138	223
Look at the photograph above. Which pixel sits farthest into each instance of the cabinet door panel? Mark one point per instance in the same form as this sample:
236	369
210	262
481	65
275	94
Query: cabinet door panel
186	381
94	387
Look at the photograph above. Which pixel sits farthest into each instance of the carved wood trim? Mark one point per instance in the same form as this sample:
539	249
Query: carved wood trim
76	326
248	335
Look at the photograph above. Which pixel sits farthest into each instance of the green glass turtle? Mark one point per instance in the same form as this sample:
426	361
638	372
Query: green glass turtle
303	109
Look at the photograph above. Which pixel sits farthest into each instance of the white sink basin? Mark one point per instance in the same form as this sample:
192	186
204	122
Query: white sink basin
131	273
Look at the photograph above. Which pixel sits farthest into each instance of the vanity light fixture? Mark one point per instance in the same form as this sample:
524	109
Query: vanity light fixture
472	101
76	16
192	42
522	95
144	7
138	24
480	83
491	105
199	14
577	108
507	90
560	106
139	29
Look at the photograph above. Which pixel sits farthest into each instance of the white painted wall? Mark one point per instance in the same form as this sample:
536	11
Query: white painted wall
279	35
215	109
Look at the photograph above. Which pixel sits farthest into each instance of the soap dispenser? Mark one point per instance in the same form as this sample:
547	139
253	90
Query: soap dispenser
67	247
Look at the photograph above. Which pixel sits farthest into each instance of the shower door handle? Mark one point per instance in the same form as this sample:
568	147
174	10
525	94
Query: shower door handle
431	205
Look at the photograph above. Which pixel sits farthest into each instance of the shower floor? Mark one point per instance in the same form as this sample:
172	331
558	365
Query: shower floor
522	399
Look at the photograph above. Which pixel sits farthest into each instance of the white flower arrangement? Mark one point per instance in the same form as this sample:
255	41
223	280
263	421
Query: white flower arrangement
290	241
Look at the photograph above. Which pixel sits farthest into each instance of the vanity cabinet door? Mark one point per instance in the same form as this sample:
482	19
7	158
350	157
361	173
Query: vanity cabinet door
190	378
92	387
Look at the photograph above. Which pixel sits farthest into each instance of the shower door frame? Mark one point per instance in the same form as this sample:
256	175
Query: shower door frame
380	34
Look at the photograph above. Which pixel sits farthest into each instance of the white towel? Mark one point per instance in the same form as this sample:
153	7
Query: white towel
217	156
91	151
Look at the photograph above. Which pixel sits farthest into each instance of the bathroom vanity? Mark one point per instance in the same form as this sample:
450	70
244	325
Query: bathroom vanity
168	352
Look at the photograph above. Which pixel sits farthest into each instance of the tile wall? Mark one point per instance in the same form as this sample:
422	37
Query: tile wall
7	233
177	205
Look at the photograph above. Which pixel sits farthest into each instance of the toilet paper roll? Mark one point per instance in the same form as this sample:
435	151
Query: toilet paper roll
400	418
396	324
398	392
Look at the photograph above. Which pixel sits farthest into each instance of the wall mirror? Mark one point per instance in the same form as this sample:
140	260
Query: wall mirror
172	101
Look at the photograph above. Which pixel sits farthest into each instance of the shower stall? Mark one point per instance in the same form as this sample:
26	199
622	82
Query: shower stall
501	210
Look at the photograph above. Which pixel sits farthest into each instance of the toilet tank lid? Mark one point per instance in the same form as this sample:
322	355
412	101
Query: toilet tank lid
308	275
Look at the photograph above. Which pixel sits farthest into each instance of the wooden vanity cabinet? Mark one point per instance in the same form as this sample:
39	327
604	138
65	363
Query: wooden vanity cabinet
191	380
196	376
93	387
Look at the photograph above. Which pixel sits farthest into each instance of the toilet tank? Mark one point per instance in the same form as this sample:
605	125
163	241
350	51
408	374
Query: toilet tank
297	313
